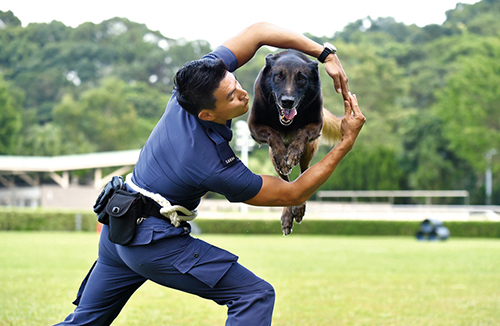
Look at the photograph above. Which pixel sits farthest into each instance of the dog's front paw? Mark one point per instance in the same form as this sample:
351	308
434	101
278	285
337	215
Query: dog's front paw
295	152
293	159
281	165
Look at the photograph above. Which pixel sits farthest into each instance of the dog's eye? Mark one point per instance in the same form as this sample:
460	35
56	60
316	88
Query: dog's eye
279	76
301	77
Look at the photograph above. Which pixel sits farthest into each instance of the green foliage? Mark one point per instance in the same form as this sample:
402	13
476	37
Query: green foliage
367	168
10	118
346	227
101	113
470	109
427	160
8	19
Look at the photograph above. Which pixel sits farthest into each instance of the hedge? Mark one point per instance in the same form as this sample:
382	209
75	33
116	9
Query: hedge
347	227
46	220
57	220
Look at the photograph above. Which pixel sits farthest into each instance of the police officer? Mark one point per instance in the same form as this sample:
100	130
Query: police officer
188	154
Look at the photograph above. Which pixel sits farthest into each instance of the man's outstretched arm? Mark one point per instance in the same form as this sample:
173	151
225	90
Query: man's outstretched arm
246	43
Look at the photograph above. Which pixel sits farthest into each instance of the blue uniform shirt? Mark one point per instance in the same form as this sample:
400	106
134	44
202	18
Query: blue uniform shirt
186	157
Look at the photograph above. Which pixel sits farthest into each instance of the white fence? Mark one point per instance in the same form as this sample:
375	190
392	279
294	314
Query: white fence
391	194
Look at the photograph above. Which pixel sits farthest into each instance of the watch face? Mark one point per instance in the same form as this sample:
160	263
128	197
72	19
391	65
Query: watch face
331	47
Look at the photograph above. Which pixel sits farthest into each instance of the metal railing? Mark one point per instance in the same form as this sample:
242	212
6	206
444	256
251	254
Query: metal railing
391	194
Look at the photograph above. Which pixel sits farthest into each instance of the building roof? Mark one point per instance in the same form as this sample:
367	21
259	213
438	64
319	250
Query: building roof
68	162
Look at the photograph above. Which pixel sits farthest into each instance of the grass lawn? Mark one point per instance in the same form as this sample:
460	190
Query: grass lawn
319	280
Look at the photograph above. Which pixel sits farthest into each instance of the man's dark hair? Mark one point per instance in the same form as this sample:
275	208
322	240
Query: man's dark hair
196	83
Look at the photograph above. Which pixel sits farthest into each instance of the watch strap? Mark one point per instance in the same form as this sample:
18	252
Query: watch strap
326	51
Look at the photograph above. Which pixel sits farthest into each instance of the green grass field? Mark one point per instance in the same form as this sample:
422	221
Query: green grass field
319	280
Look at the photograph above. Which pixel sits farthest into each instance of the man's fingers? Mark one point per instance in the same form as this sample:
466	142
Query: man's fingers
336	72
341	86
355	106
337	84
347	106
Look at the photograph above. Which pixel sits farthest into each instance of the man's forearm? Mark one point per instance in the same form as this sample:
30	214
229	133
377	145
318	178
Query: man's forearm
277	192
245	44
314	177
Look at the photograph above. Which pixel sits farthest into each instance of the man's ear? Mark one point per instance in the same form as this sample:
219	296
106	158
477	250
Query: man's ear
206	115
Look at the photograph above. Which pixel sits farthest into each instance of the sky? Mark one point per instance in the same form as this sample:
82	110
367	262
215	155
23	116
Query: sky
217	20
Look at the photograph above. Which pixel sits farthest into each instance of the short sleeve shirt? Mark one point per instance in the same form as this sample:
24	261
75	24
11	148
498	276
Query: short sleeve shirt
185	157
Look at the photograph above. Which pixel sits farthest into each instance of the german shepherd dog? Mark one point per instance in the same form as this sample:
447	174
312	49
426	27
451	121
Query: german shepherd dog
288	115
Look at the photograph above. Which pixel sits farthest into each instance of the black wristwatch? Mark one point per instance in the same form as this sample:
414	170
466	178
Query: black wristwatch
329	48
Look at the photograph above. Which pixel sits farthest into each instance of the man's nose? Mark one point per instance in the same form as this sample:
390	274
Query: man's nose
244	93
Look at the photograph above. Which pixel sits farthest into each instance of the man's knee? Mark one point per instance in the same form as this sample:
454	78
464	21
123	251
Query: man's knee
267	292
261	297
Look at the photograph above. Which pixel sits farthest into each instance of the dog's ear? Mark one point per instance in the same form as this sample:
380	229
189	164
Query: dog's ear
313	66
270	60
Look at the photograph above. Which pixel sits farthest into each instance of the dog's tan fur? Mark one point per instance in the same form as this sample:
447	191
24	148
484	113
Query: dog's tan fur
330	134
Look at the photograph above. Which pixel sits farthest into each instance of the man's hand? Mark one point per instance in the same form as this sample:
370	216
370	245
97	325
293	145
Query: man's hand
336	71
353	119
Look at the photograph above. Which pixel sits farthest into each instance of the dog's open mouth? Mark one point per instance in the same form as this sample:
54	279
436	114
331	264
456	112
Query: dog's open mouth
287	115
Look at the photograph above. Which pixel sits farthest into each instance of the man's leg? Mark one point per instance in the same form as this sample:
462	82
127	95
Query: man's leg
213	275
250	300
110	285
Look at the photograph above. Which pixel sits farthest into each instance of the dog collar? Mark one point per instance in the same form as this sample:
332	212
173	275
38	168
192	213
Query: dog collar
329	48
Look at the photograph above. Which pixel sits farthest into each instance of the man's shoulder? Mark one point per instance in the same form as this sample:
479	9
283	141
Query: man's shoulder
226	55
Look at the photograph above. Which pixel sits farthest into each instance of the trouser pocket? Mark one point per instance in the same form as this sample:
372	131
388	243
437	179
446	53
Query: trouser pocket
205	262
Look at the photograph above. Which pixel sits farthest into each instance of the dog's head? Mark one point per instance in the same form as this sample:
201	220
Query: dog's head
292	77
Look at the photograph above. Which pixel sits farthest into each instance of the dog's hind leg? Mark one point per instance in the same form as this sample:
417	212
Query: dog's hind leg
288	214
300	151
287	219
297	213
311	148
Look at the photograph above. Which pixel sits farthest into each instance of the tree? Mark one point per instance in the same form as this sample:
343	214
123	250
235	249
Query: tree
102	115
470	105
49	140
10	117
366	168
8	19
480	18
427	160
380	85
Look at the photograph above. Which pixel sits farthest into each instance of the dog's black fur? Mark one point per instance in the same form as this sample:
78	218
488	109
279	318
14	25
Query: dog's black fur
288	115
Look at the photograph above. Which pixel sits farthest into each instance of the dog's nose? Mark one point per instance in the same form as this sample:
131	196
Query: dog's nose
287	101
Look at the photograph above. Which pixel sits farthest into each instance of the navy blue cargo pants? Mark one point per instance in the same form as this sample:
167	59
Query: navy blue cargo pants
181	262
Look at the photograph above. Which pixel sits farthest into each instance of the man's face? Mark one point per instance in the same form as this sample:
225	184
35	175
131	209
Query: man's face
232	100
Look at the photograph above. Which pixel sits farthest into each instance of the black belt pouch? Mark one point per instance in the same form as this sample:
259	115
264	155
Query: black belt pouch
124	209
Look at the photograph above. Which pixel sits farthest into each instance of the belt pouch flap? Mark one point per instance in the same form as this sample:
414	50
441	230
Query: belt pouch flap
124	209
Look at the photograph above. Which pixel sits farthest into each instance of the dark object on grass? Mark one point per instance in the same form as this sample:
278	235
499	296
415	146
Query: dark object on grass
432	230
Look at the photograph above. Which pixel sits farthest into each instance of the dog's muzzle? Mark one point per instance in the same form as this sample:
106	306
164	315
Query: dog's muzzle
287	106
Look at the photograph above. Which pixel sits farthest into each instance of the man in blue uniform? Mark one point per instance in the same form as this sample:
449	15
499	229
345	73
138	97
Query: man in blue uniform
188	154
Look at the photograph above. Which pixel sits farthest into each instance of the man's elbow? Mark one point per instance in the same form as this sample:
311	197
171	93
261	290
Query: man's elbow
294	199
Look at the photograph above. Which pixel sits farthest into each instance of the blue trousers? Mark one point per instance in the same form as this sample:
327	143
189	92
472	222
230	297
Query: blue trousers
181	262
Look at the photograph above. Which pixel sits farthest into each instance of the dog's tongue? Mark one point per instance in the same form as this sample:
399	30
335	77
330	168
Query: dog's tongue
290	114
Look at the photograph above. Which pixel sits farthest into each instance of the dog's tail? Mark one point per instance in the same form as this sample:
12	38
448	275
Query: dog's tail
330	134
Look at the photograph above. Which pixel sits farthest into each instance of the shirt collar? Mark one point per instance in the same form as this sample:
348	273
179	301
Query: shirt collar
223	130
